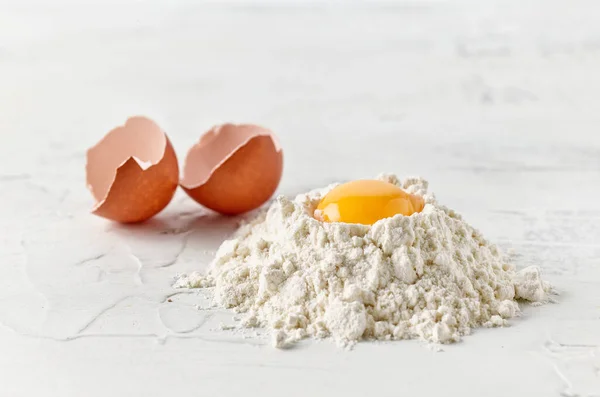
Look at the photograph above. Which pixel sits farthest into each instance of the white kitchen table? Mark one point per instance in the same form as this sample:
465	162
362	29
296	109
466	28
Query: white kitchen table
495	102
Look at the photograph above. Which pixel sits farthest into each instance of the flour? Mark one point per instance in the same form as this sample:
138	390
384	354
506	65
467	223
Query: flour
429	276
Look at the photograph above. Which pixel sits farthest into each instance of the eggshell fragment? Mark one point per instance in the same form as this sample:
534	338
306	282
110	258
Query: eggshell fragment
233	168
132	172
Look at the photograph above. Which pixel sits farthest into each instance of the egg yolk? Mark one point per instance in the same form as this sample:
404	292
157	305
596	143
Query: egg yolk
366	202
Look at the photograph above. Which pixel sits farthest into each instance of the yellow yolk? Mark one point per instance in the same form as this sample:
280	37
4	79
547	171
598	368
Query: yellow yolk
366	202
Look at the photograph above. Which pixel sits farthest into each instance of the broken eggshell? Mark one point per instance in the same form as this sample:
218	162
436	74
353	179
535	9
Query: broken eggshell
234	168
132	172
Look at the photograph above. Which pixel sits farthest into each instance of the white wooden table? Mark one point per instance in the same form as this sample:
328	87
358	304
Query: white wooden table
495	102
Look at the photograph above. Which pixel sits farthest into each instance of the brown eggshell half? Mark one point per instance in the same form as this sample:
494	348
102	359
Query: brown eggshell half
132	172
233	168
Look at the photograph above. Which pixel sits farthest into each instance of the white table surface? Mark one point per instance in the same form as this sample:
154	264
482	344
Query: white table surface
495	102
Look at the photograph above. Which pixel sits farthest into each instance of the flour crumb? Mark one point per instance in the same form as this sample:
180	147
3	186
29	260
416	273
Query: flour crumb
530	286
227	327
429	276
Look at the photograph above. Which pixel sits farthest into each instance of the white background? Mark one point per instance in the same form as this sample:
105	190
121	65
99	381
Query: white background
494	102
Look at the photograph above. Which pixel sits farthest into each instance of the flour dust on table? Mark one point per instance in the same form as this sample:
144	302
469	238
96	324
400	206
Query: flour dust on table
428	276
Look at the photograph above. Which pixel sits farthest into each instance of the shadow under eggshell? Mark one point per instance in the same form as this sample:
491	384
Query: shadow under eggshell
244	180
133	172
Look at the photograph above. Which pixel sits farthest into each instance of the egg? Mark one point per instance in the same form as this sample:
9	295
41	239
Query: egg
132	172
366	202
234	168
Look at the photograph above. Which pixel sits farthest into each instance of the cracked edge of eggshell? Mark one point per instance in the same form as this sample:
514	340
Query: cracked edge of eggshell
208	137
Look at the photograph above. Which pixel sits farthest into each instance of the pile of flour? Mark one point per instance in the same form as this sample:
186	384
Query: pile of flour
429	275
